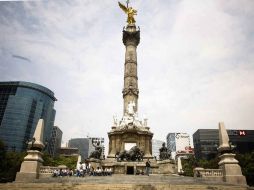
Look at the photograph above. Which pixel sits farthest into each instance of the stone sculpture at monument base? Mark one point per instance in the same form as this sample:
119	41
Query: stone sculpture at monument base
231	169
232	172
30	167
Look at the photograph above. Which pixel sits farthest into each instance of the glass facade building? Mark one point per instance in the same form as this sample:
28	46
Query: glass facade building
83	146
156	145
206	142
54	144
22	104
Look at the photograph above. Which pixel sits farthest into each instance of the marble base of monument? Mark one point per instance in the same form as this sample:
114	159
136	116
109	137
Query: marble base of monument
30	167
95	163
166	167
133	168
231	170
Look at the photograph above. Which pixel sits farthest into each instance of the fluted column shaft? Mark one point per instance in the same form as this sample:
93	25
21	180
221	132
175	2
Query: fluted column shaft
130	91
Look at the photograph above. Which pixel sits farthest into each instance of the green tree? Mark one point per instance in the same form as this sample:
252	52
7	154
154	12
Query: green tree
70	162
212	163
13	163
9	163
246	161
188	165
2	161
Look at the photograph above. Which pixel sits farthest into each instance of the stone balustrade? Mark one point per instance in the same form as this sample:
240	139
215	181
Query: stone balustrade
212	174
48	169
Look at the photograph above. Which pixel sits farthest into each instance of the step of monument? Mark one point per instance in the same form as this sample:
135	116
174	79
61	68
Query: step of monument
121	182
124	179
128	179
83	186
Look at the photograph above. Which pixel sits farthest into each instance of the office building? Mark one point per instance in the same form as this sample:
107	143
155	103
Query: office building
156	145
206	142
82	144
85	145
22	104
55	141
178	142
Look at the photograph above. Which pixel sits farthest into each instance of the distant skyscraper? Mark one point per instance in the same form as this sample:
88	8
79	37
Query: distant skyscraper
55	141
156	145
82	144
22	104
177	142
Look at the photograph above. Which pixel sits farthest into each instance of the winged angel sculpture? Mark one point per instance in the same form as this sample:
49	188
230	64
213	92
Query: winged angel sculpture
130	13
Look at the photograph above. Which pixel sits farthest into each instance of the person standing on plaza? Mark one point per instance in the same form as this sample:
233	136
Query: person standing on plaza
148	165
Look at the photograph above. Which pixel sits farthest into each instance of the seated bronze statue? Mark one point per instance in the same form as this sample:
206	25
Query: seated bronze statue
97	152
164	152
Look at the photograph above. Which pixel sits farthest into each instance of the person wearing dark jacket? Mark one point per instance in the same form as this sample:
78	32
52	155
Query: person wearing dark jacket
148	165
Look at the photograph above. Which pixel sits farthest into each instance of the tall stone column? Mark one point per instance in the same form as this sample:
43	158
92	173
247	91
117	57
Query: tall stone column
147	148
113	146
131	38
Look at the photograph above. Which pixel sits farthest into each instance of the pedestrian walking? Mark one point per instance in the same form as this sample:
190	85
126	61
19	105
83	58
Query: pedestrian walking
148	165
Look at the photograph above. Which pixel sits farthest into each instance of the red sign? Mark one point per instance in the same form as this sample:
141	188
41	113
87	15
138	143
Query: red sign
242	133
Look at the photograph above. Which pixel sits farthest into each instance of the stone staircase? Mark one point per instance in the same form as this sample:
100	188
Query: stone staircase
122	182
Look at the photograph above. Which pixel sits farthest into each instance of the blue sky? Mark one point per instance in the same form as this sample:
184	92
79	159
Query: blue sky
195	61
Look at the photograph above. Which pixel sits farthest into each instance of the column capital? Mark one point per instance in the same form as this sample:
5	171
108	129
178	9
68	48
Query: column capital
131	37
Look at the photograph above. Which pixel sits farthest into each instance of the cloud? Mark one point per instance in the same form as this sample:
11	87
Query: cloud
21	57
195	61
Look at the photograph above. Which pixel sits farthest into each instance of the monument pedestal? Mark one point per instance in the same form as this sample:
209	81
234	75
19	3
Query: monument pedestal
138	135
129	167
30	167
95	163
166	167
232	172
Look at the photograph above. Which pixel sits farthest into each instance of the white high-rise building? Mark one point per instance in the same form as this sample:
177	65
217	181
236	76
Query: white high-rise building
178	142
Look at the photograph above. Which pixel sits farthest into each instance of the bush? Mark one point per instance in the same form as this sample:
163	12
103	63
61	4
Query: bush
188	165
246	161
10	165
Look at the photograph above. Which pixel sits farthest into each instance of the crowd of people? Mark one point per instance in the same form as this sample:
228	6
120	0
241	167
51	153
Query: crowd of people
85	169
82	170
63	172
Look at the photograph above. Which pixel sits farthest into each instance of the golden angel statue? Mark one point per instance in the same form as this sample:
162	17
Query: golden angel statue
129	11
